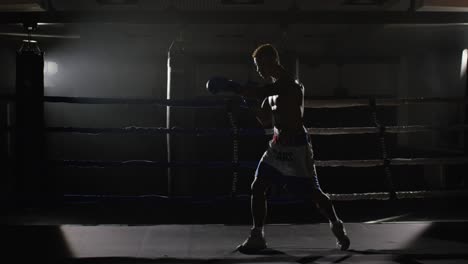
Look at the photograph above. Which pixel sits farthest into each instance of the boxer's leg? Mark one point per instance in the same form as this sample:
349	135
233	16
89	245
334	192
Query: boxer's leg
262	182
258	201
309	189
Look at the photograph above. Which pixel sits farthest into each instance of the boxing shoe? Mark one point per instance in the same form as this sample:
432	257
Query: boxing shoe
254	243
342	239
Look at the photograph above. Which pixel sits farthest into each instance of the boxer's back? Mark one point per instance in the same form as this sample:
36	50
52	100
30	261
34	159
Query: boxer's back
287	106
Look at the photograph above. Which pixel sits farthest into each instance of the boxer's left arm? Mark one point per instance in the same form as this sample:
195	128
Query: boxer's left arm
262	112
261	108
250	90
264	115
258	92
253	94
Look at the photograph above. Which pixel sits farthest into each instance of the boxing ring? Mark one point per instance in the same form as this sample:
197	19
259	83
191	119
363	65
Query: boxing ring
382	241
233	134
44	222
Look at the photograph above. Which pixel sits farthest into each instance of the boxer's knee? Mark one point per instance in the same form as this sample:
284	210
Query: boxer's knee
259	187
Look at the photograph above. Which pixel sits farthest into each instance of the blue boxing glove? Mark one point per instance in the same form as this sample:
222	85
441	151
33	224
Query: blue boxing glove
223	85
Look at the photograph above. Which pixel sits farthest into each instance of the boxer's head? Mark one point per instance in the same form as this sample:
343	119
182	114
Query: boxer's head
266	60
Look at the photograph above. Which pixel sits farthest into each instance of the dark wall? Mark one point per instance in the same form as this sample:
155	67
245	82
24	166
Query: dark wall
130	61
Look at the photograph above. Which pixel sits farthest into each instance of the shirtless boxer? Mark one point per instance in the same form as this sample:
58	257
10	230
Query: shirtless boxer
289	158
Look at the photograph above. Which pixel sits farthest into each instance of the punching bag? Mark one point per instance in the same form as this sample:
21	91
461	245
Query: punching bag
29	148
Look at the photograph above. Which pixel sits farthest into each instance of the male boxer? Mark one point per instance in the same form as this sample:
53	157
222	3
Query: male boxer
289	158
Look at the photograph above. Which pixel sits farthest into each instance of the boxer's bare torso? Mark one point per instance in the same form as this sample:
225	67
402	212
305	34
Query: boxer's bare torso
286	101
282	105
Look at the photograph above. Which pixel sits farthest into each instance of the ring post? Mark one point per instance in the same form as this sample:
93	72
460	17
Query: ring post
180	76
465	136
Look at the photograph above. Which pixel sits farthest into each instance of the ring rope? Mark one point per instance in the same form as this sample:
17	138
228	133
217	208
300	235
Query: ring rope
399	195
344	103
393	161
142	130
388	129
317	131
140	163
195	103
308	102
422	194
251	164
324	131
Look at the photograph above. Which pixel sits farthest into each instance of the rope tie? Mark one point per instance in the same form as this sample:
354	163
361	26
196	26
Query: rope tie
235	147
383	149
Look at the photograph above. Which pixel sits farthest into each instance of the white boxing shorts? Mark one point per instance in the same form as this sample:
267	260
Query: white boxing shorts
289	160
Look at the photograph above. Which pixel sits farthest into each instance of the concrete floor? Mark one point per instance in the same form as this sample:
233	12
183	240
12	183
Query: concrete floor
406	232
394	242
